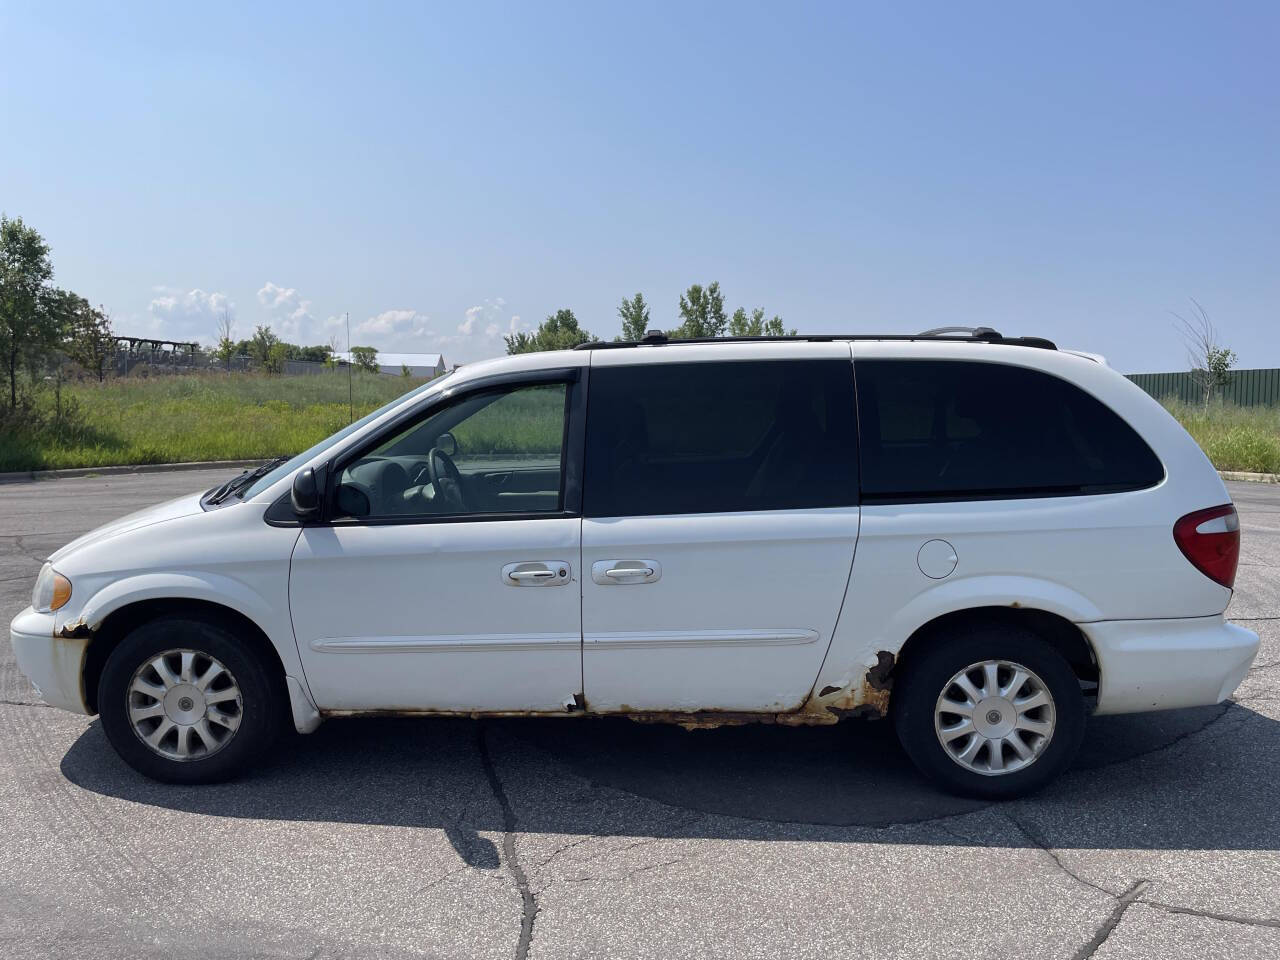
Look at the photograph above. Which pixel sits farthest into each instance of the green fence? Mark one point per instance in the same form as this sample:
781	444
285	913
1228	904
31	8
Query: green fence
1246	388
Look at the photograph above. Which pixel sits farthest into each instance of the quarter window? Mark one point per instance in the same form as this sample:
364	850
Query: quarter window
941	429
720	437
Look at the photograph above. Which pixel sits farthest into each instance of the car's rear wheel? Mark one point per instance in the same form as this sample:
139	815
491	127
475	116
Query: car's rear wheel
993	712
186	701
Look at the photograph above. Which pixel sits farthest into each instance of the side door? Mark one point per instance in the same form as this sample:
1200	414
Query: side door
445	576
720	518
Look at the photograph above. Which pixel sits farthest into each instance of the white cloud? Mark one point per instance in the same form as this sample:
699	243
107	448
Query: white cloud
187	315
467	325
395	325
477	336
290	314
485	323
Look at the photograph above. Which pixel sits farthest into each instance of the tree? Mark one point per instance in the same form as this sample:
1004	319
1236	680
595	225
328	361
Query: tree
521	342
225	350
276	357
406	371
1211	362
742	324
702	312
365	358
260	346
635	317
30	326
331	356
560	331
89	339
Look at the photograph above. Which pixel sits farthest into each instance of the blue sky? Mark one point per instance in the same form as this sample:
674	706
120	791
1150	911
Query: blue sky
447	173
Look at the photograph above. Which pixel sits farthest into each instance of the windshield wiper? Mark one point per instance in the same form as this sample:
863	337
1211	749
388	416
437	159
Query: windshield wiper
243	480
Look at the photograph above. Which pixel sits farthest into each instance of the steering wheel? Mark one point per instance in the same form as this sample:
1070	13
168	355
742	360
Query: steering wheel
446	479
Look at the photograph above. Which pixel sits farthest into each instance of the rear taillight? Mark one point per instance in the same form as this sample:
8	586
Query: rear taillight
1210	539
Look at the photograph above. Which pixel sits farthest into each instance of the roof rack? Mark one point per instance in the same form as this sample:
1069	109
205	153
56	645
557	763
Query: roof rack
978	333
656	338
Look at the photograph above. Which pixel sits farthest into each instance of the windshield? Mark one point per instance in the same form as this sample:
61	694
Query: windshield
294	463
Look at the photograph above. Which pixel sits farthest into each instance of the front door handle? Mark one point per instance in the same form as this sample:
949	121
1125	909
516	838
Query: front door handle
531	574
622	572
537	573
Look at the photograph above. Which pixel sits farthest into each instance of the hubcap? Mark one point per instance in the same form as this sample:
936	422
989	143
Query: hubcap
184	705
994	717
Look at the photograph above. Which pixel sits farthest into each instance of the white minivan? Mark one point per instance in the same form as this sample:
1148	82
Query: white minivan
985	539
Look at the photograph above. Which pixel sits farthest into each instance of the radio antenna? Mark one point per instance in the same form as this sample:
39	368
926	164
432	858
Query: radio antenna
351	403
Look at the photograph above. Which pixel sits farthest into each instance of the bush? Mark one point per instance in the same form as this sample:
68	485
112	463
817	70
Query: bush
1234	438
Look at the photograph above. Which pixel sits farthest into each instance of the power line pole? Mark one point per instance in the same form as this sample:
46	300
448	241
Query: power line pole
351	403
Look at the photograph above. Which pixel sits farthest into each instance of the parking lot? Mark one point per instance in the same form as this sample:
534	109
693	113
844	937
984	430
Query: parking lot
579	838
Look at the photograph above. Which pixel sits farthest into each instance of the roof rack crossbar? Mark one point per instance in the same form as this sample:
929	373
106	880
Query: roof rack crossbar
970	335
978	333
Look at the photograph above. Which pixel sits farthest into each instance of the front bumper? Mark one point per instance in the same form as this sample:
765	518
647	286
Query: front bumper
53	664
1164	664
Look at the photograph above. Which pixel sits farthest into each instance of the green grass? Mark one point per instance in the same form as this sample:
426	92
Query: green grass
171	419
1235	438
526	422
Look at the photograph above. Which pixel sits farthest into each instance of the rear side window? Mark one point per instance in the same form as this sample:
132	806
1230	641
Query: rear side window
936	430
720	437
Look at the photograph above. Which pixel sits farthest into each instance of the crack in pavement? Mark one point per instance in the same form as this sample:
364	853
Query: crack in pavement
22	547
627	875
1123	903
568	846
1124	900
1210	915
1041	843
529	913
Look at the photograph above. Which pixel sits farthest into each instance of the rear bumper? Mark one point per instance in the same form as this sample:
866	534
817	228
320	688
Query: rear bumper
1164	664
54	665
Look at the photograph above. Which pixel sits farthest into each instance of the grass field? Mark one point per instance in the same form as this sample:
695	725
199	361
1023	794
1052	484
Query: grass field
1235	438
243	417
170	419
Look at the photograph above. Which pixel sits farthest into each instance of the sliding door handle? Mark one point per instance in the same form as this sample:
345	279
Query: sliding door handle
619	573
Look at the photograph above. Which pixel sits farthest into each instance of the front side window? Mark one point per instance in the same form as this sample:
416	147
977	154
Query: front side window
286	468
720	437
939	429
493	452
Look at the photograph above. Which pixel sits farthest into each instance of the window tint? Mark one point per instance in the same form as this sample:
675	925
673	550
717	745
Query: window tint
492	452
720	437
938	429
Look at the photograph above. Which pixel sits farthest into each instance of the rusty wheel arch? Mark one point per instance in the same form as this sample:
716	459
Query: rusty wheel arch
120	622
1063	635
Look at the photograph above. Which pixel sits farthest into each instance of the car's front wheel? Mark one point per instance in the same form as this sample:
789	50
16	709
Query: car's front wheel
995	712
186	701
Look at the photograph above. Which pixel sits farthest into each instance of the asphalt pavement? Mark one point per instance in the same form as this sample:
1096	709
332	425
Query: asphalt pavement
604	838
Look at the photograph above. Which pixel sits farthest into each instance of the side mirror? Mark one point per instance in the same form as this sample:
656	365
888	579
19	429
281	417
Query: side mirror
306	494
447	444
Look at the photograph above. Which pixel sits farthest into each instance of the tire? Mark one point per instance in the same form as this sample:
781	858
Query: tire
966	767
241	716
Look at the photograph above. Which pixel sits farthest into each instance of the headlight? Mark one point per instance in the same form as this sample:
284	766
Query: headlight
52	590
